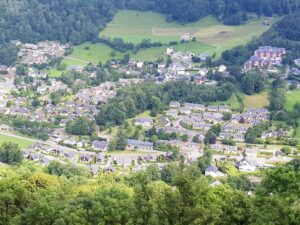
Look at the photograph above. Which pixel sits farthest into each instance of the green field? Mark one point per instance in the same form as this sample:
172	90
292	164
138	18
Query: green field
21	142
260	100
90	53
292	97
134	26
232	102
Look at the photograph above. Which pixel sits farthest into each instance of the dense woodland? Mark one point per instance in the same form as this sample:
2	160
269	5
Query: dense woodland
176	195
78	21
148	96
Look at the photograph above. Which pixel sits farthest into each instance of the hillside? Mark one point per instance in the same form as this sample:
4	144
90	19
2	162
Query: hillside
134	26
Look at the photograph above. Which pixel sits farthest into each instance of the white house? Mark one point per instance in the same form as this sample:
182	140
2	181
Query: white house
251	153
213	171
247	165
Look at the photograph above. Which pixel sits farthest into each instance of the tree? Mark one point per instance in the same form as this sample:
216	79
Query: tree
210	138
253	82
196	139
10	153
184	137
80	126
125	58
277	99
227	116
205	161
121	142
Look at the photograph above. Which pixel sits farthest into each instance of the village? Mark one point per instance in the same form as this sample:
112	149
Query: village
36	97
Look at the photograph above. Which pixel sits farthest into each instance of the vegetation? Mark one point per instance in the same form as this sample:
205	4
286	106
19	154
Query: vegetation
80	126
136	99
77	21
10	153
22	143
178	194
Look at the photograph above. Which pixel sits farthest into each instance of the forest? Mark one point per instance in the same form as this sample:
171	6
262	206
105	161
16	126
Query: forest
176	195
79	21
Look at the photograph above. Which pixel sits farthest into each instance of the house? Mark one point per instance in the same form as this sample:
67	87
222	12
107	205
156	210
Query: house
45	160
124	160
251	153
34	156
109	168
69	155
86	158
170	51
222	69
172	112
146	122
213	171
82	144
100	158
247	165
193	106
133	144
94	169
174	105
185	110
99	145
186	37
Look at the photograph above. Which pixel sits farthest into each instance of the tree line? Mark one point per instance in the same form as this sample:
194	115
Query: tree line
178	194
79	21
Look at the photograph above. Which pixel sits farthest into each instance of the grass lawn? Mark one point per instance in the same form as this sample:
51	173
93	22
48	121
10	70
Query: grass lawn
90	53
260	100
54	73
21	142
134	26
233	102
292	97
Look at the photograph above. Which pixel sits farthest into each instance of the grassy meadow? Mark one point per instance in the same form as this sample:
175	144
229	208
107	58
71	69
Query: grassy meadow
21	142
260	100
292	97
134	26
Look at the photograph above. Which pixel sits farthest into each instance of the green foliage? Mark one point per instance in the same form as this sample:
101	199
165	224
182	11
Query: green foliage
178	194
81	126
253	82
255	132
67	170
136	99
205	161
10	153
